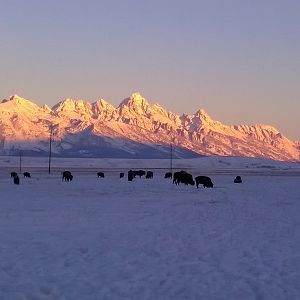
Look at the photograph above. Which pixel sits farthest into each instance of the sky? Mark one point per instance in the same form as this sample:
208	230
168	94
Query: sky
238	60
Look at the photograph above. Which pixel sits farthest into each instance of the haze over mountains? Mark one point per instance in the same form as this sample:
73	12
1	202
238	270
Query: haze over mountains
134	129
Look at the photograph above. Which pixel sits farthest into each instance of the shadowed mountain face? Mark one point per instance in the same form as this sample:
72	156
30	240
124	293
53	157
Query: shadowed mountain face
134	129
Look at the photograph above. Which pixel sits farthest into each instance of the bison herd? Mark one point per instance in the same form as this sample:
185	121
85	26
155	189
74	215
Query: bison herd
186	178
16	178
178	177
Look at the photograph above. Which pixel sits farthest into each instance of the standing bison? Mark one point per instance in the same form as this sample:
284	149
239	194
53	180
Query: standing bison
237	179
139	173
16	179
13	174
168	175
206	181
121	175
67	176
26	174
130	175
149	174
100	174
183	177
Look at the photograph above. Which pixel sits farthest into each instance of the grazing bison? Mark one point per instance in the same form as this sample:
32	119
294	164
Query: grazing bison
13	174
16	179
206	181
100	174
183	177
67	176
238	179
168	175
121	175
149	174
26	174
138	173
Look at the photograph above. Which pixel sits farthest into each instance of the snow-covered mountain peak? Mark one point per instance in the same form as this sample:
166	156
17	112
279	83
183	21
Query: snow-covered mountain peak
102	109
92	126
136	100
16	98
203	116
17	103
103	104
268	128
198	120
70	106
46	108
65	105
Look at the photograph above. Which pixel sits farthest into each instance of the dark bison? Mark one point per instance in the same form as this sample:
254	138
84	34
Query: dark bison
16	179
168	175
26	174
183	177
149	174
130	175
206	181
67	176
100	174
121	175
139	173
238	179
13	174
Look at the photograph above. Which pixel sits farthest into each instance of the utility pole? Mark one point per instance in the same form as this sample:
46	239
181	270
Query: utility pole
50	149
171	158
20	162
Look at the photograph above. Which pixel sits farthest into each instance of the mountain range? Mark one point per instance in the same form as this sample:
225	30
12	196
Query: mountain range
134	129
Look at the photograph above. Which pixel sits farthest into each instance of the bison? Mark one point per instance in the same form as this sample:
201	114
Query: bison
149	174
130	175
16	179
168	175
67	176
13	174
26	174
183	177
206	181
100	174
121	175
138	173
238	179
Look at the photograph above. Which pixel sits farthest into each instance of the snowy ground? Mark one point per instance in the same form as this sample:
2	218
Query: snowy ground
149	239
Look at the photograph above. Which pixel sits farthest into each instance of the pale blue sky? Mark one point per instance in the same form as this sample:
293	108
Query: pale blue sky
238	60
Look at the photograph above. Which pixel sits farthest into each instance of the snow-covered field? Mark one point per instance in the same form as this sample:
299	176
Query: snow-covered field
149	239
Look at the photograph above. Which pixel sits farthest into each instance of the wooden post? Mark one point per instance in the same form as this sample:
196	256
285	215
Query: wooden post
50	150
20	162
171	157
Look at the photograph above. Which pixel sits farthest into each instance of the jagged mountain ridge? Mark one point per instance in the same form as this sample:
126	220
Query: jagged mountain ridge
133	129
